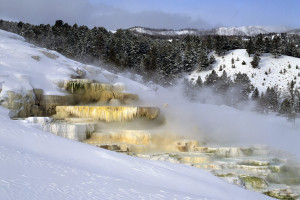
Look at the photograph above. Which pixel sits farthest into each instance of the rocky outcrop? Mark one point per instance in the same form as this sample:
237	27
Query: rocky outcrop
137	137
21	105
88	91
78	132
33	103
107	113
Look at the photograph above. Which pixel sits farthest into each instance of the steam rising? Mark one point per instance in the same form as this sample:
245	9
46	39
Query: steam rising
222	125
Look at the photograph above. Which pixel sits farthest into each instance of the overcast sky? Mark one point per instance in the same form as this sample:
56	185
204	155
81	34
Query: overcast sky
176	14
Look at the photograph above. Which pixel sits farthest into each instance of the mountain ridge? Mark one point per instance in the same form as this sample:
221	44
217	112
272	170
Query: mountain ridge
228	31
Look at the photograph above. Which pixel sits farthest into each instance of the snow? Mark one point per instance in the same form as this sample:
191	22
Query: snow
249	30
40	68
164	32
242	31
267	64
40	165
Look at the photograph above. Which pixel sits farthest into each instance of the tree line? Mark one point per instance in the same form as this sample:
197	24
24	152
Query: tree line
148	56
164	58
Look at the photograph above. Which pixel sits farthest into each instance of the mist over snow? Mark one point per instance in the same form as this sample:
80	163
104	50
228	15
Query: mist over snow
222	125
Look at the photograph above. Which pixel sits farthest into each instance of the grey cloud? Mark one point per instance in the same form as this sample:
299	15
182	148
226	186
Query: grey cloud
84	13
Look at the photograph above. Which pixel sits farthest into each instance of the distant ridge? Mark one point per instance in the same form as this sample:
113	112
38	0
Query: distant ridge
234	31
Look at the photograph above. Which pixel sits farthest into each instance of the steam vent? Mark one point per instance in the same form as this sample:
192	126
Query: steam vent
105	116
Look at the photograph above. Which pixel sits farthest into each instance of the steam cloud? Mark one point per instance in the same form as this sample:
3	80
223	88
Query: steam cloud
223	125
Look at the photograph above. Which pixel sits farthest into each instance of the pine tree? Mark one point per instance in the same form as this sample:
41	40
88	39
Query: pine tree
220	45
211	78
259	45
189	58
243	84
272	98
285	107
224	82
203	60
188	89
267	45
276	46
199	82
255	61
291	90
250	47
255	94
212	59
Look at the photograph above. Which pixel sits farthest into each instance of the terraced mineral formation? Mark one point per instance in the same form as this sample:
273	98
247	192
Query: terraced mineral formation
78	132
81	85
87	91
108	113
138	135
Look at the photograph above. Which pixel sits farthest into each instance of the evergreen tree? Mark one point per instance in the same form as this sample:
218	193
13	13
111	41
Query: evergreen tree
272	98
250	47
188	89
212	78
262	106
243	85
224	83
189	58
259	44
276	46
291	92
220	45
267	45
285	107
255	94
203	60
255	61
212	59
199	82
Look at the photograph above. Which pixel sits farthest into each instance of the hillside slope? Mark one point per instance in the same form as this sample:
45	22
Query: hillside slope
39	165
270	72
240	31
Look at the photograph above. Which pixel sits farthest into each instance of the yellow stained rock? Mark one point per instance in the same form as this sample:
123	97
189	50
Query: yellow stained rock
123	136
107	113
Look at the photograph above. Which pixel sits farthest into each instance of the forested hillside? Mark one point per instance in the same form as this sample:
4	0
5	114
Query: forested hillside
162	59
146	55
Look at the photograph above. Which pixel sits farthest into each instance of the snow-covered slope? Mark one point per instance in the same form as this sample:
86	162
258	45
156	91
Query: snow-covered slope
294	31
241	31
39	165
249	30
24	66
268	74
149	31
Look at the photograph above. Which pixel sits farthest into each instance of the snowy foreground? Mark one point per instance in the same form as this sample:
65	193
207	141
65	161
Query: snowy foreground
39	165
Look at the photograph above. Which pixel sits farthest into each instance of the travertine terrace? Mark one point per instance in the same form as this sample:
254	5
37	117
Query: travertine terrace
103	125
